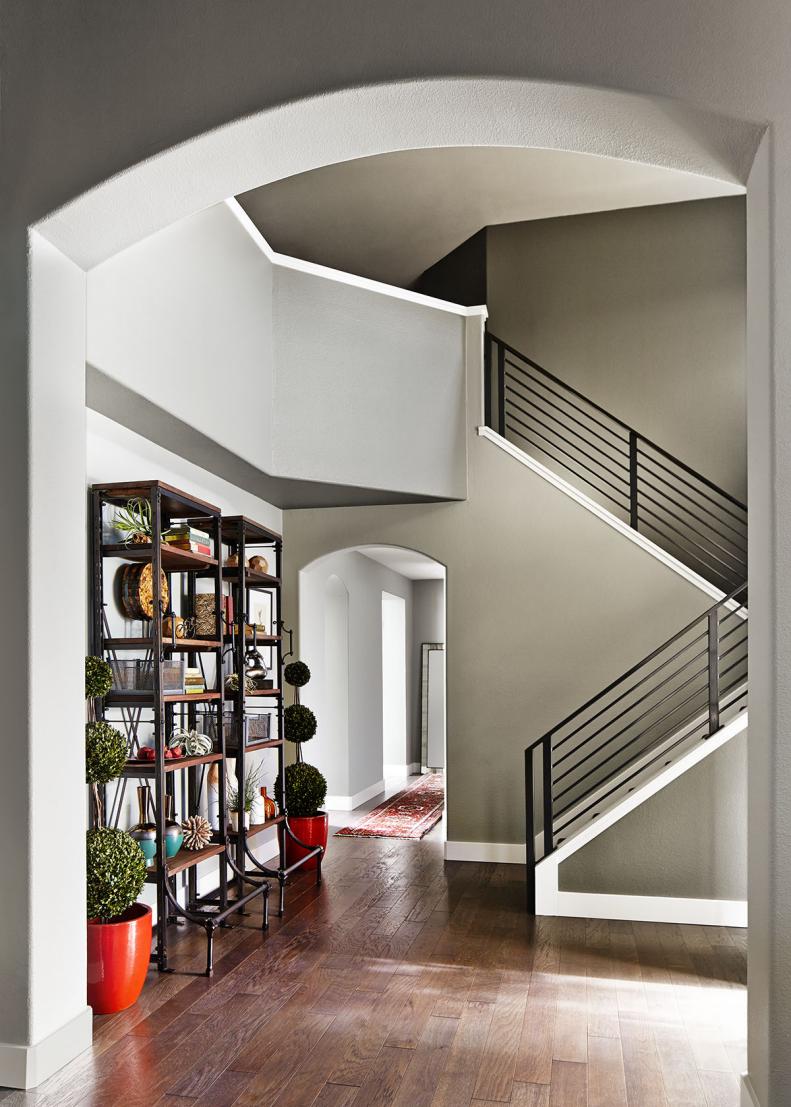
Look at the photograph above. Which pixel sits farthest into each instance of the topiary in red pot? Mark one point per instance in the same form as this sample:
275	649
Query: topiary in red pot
119	930
306	790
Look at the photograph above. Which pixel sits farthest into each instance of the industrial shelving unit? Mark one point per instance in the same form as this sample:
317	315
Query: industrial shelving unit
245	537
163	710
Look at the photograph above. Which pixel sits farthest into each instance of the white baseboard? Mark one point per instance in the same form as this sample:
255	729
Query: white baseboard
748	1096
496	853
29	1066
400	772
658	909
348	803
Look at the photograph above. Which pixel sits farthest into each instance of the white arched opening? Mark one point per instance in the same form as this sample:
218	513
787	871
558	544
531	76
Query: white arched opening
231	159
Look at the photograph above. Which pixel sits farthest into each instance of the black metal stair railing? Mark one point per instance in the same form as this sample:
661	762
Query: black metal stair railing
658	495
682	692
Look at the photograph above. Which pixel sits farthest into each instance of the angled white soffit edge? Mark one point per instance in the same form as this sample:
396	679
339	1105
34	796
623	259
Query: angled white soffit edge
606	516
337	275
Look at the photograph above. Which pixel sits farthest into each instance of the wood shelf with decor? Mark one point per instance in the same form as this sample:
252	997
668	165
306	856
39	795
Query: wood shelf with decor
151	691
247	540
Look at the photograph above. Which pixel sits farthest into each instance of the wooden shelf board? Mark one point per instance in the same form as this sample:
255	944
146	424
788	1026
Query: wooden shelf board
251	747
134	766
261	639
269	692
256	534
183	645
176	504
173	559
146	699
185	859
251	579
256	828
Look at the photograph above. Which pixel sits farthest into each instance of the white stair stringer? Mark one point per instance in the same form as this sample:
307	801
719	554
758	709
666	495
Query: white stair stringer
550	900
606	516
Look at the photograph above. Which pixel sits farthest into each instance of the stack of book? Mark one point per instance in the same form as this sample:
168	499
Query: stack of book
194	684
185	537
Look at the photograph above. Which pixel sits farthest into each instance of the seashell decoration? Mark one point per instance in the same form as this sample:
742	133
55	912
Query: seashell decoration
194	742
197	832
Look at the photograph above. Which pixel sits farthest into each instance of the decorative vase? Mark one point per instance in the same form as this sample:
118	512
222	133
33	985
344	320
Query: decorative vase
270	809
145	833
174	835
313	830
118	955
234	818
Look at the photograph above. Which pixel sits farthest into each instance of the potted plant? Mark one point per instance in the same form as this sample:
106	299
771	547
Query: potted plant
119	930
134	522
241	800
299	725
306	790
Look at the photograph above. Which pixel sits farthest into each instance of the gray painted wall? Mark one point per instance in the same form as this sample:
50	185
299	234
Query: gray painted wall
643	310
689	840
546	605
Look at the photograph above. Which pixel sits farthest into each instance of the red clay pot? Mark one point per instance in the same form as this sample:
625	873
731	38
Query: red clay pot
118	954
310	829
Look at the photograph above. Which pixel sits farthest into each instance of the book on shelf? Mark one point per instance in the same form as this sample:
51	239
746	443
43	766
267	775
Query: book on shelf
185	531
190	547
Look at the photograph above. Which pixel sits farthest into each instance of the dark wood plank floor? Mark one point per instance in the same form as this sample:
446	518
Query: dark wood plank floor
408	982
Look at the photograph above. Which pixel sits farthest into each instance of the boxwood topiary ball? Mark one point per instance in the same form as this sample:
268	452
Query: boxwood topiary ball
306	790
116	872
105	753
300	723
297	674
98	677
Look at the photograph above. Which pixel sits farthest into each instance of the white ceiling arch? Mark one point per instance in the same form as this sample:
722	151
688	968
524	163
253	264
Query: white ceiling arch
355	123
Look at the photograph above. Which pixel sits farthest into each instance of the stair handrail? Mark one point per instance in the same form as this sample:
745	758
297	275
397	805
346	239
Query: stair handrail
710	617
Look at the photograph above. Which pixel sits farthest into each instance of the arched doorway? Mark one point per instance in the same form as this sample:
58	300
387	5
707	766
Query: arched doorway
371	618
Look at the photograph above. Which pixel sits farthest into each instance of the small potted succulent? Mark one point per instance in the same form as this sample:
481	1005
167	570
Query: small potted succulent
119	929
240	800
306	790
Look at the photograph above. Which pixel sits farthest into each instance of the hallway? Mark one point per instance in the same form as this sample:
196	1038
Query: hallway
408	982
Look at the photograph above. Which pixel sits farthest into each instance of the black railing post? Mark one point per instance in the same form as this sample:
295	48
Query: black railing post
714	669
546	751
487	379
633	480
530	834
501	388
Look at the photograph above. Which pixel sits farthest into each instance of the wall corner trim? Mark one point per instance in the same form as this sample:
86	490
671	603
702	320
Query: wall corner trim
348	803
494	853
748	1096
28	1066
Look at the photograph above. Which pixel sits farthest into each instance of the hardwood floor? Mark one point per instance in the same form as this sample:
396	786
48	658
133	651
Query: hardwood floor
404	981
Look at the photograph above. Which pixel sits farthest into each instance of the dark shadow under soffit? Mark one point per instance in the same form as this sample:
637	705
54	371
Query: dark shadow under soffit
119	403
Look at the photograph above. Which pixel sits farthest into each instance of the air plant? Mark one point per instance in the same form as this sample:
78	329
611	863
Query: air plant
232	683
134	521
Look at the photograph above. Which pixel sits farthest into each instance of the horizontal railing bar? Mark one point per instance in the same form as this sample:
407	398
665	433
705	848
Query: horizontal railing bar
633	723
691	541
622	783
623	459
570	468
558	393
632	707
689	518
594	453
649	460
724	581
632	688
741	535
679	725
613	418
643	661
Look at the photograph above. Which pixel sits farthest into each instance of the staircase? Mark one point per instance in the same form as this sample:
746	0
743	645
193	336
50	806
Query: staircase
689	695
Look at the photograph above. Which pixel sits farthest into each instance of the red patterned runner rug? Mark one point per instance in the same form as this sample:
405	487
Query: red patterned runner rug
410	813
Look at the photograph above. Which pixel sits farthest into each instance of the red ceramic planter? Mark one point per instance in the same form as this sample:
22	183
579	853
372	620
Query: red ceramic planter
313	831
118	954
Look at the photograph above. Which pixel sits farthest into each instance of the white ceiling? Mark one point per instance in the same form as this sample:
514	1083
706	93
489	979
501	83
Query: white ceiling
409	563
393	215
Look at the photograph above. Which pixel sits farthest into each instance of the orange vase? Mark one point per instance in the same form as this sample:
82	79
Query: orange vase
270	810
